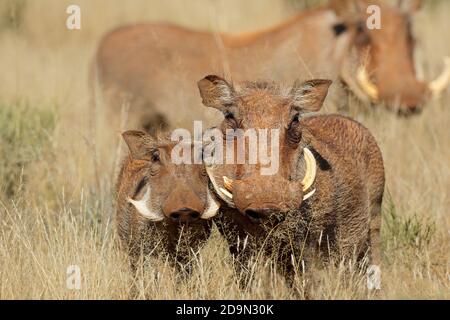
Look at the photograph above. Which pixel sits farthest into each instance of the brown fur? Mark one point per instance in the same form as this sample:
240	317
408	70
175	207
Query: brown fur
156	65
342	217
174	187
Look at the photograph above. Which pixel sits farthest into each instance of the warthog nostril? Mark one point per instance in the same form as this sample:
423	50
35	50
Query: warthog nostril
414	109
175	216
410	110
252	214
195	215
257	214
184	215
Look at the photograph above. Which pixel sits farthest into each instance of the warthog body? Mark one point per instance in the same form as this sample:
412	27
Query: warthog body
156	65
161	206
299	211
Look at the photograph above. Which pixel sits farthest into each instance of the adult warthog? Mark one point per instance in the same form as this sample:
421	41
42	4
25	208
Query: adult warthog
156	65
326	195
162	207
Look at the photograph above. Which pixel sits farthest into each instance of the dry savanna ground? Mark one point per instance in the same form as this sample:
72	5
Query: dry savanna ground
57	166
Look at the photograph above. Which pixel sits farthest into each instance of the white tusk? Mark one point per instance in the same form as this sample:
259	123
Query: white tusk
368	87
142	208
309	194
221	192
226	192
213	206
311	169
440	83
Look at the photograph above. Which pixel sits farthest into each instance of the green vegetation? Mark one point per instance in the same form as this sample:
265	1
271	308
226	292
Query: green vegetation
25	136
402	232
11	14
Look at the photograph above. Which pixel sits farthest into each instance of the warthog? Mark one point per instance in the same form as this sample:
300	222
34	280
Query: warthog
155	65
162	207
326	195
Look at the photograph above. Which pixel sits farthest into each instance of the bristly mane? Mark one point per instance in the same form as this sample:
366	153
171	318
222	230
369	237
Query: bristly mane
267	86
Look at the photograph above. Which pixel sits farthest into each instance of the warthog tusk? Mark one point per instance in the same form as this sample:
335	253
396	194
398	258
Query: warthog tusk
309	194
225	192
221	192
311	168
440	83
142	207
228	183
212	206
368	87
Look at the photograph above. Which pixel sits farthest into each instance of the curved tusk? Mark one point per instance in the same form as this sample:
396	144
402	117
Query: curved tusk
225	192
364	82
221	192
212	206
352	83
440	83
142	208
311	169
309	194
228	183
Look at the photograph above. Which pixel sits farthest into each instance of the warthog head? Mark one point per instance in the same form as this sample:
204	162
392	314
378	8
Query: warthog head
382	67
163	190
265	106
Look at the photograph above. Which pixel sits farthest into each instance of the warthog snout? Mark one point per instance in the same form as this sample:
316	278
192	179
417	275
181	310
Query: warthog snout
183	205
260	198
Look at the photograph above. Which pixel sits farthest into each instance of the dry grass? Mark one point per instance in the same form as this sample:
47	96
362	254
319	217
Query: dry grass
56	200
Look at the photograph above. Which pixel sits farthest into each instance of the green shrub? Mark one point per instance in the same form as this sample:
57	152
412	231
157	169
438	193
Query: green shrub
400	232
25	135
11	13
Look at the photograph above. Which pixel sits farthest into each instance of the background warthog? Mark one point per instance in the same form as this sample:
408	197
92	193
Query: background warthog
327	193
330	41
161	207
155	65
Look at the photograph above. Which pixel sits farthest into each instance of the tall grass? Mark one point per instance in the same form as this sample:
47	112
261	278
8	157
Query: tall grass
25	137
56	181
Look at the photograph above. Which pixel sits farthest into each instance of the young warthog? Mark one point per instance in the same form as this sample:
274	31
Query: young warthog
162	207
325	196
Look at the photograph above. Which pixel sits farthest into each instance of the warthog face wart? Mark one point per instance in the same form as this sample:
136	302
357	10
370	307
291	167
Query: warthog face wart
266	106
161	190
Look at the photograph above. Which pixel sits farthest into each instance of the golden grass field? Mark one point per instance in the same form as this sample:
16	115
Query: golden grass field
57	166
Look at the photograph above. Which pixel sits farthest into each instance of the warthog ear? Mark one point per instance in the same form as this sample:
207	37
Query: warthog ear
216	92
309	95
139	143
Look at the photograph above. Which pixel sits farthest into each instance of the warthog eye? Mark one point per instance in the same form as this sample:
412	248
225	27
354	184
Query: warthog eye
155	156
339	28
231	120
229	115
362	36
294	134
